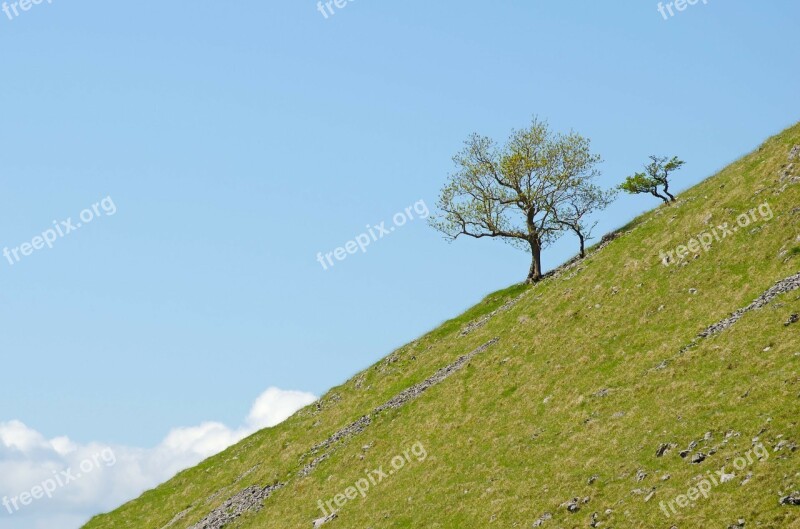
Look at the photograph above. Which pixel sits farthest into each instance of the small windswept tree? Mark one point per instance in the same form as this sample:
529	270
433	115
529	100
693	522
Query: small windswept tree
656	175
581	203
515	192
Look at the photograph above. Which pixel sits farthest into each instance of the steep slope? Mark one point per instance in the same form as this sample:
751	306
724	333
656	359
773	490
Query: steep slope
612	394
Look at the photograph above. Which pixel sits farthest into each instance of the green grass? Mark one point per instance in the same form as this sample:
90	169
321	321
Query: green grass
522	428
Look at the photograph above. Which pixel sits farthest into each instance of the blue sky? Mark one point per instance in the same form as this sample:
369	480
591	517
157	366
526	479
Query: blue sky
238	140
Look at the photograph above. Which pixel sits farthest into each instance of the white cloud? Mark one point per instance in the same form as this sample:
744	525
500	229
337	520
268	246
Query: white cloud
93	478
275	406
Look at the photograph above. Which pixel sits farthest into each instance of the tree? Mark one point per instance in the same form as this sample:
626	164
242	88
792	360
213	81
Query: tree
582	202
656	174
514	193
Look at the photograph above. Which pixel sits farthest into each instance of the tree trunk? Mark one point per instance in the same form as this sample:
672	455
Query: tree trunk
666	189
659	195
535	274
583	245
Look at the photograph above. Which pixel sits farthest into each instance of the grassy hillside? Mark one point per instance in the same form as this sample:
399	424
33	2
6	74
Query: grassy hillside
593	403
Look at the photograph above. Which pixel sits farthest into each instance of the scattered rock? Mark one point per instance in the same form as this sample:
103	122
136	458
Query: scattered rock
791	499
781	287
178	517
572	505
608	237
664	448
662	365
358	382
724	478
483	320
641	475
692	291
414	391
738	525
542	519
348	431
592	479
322	521
794	154
698	458
794	318
397	401
250	499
